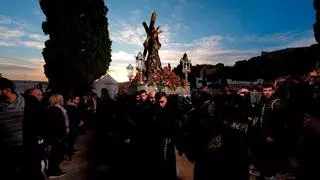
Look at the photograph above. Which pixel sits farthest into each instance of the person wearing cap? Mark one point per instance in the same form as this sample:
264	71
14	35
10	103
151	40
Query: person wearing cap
11	133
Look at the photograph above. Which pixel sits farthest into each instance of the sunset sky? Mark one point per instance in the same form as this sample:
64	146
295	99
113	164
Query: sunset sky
211	31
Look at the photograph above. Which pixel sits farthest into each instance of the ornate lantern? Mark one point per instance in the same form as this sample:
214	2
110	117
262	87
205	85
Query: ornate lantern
186	65
130	72
140	64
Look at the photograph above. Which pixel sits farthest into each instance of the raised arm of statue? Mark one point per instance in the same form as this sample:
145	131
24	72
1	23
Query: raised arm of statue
146	28
146	42
153	20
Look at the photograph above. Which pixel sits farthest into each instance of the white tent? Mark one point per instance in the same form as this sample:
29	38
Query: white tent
106	82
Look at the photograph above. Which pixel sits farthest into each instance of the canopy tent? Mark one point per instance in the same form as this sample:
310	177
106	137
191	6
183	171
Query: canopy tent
108	83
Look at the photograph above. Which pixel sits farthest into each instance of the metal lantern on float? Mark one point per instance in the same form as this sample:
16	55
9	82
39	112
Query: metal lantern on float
186	65
130	71
140	65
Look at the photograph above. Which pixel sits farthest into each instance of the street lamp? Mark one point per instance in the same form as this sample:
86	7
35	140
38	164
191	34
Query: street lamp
130	72
140	64
186	65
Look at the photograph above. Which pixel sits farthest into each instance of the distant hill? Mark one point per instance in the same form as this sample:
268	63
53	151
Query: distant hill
269	65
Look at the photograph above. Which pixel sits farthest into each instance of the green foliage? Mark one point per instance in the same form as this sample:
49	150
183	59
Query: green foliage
79	48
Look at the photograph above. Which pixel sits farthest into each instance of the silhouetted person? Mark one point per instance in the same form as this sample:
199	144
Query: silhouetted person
270	138
75	122
34	128
59	129
11	132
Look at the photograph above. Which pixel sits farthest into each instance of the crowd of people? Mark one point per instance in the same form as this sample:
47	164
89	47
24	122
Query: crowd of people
38	131
269	130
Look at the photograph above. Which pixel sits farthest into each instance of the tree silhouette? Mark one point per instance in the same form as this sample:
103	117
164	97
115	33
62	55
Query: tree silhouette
316	26
79	48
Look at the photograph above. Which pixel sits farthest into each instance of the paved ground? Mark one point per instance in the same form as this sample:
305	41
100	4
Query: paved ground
77	168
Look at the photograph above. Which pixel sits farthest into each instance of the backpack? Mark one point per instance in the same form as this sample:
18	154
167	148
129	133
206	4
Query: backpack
273	102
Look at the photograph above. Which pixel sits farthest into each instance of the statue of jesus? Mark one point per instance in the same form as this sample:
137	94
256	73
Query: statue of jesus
152	46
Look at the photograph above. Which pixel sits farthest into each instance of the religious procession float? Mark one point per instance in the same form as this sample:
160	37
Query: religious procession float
151	76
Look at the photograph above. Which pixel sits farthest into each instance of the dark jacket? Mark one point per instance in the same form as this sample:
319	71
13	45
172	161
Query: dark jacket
11	118
203	126
141	117
56	125
34	121
273	119
159	144
166	121
74	116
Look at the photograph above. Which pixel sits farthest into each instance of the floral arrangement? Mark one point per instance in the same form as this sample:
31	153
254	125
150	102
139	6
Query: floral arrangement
163	78
166	78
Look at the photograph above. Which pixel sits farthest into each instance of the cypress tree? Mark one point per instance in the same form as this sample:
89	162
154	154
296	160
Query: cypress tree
316	26
79	48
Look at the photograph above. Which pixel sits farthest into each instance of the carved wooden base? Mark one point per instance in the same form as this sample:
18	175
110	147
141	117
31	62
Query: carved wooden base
179	91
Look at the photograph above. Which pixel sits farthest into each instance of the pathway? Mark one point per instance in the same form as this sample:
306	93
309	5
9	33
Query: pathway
77	168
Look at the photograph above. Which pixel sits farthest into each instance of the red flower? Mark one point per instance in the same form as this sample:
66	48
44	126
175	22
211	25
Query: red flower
166	78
